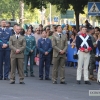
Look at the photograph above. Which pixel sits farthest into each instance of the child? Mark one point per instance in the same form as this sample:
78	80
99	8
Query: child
37	60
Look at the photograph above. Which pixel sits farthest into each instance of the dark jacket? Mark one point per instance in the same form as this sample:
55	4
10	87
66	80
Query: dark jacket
79	42
44	46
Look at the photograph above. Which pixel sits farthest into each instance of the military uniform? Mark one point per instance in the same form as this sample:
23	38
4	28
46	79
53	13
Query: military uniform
4	52
30	45
92	59
44	45
83	42
17	43
59	42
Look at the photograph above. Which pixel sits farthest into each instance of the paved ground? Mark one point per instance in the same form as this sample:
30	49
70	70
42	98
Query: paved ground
34	89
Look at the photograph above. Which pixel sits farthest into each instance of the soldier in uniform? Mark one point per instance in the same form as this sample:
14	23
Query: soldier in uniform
17	44
5	34
92	57
44	47
29	52
59	44
84	46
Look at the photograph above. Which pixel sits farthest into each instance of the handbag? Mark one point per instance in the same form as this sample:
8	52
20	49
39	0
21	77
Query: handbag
75	56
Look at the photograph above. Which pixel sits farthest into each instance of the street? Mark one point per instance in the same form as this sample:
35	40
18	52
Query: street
35	89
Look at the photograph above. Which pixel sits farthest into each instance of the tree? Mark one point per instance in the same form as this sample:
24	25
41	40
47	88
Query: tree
9	7
37	3
53	13
63	5
77	5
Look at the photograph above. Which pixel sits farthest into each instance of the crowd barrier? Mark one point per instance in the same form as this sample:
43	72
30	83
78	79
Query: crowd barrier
71	51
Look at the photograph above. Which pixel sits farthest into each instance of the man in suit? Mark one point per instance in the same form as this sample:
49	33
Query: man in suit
44	47
59	44
4	50
17	44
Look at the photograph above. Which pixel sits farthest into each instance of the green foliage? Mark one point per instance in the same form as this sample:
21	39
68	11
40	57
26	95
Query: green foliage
54	11
36	3
9	8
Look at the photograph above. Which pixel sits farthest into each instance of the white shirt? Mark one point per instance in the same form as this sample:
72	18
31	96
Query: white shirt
60	34
29	35
44	38
17	35
3	29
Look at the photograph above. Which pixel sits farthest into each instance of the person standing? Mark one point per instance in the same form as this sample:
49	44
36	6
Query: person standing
29	52
17	45
59	44
5	34
44	47
92	61
37	36
98	74
84	46
13	30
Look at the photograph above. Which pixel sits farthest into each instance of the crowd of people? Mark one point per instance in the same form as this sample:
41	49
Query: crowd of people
43	47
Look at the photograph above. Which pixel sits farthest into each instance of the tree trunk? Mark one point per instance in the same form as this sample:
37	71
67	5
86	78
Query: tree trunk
21	13
77	20
13	15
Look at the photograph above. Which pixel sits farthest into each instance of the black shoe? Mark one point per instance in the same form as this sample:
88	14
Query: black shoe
26	75
98	83
12	82
78	82
47	79
87	82
6	79
63	83
32	75
54	82
21	83
0	78
40	78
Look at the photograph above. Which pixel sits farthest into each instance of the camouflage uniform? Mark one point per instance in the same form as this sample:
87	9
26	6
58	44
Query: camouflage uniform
92	60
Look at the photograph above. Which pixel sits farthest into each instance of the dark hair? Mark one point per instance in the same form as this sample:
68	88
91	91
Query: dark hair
41	25
86	21
30	29
50	33
73	34
44	31
97	28
16	24
57	26
22	32
74	27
